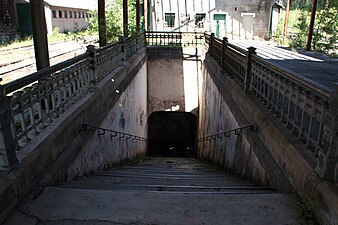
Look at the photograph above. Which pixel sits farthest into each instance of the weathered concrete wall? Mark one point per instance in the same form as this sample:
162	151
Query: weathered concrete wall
129	115
235	153
172	79
165	82
47	158
282	160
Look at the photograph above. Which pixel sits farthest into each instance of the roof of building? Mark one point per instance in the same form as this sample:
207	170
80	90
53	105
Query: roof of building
83	4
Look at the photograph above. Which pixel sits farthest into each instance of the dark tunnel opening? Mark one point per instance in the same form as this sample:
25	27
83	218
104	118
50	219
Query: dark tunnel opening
172	134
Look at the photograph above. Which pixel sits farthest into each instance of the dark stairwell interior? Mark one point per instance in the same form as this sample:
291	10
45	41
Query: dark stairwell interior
172	134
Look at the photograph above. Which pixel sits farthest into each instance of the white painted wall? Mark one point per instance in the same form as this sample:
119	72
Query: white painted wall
129	115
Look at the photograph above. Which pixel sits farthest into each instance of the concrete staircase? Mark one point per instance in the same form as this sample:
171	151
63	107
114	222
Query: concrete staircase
158	191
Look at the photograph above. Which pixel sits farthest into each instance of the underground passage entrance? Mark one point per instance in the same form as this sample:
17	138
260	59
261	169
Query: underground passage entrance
172	134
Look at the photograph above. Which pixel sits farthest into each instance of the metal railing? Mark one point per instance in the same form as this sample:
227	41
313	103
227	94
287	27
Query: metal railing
31	103
308	111
174	39
226	134
113	133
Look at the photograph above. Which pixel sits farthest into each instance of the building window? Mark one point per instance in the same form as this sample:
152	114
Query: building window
70	14
170	19
199	20
54	13
83	15
66	14
75	14
60	14
80	14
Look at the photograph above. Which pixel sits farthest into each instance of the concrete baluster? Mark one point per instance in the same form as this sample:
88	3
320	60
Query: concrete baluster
93	73
327	166
7	141
247	80
224	46
123	48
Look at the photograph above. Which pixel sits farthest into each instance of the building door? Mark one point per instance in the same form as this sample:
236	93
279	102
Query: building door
220	25
247	27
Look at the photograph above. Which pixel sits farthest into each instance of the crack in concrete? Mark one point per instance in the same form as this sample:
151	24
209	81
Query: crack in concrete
91	222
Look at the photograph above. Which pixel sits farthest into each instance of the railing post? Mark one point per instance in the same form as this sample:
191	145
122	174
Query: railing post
7	141
212	37
123	49
93	76
247	80
224	43
327	166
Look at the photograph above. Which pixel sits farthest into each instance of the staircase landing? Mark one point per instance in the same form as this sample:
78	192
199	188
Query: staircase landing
157	191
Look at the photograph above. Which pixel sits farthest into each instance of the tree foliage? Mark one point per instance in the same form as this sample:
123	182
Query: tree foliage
325	29
114	19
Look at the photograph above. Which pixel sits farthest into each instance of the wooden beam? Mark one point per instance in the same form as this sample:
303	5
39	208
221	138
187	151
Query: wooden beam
138	16
102	23
125	18
312	22
39	28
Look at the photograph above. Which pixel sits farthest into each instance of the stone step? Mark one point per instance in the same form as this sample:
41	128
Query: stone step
159	191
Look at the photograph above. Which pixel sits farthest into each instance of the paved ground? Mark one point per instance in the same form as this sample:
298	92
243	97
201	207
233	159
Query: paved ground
157	191
316	68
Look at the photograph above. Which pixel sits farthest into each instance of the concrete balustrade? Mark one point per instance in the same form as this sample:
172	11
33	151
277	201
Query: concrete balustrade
308	111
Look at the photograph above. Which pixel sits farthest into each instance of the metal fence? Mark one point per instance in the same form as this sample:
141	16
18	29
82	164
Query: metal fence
174	39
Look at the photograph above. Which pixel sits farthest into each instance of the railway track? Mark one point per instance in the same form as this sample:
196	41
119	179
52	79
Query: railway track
13	66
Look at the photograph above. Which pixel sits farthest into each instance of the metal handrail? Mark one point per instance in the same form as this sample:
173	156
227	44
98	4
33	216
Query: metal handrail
114	133
227	133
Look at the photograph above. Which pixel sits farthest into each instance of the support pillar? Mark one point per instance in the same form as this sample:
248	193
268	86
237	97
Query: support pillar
102	23
125	18
327	166
7	141
138	16
312	22
145	14
39	33
286	21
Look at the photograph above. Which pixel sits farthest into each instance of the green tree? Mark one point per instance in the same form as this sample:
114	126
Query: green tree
325	29
114	18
